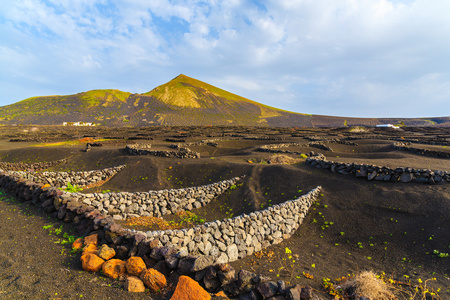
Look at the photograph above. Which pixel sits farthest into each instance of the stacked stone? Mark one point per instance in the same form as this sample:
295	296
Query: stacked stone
180	153
402	140
407	147
331	140
231	239
172	262
124	205
382	173
209	142
276	148
263	138
32	167
61	179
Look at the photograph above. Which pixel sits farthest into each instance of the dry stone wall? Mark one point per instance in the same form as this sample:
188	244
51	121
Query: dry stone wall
406	146
438	142
331	140
154	203
380	173
61	179
231	239
180	153
33	167
262	228
278	148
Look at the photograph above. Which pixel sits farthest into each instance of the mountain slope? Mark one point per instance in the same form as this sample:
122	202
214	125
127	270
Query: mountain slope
183	101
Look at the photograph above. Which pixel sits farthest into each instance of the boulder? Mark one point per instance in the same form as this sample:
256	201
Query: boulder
91	239
91	262
77	244
91	248
267	289
189	289
202	262
114	268
135	265
406	177
106	252
153	279
134	284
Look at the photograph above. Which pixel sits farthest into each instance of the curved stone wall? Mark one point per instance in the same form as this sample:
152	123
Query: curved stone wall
61	179
154	203
378	173
406	146
34	167
236	238
230	239
331	140
276	148
180	153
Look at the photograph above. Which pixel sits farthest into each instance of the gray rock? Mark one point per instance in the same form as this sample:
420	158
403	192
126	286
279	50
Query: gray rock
267	289
232	252
202	262
406	177
372	175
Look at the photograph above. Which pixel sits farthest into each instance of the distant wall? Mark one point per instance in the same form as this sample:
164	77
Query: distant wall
407	147
34	167
377	173
277	148
61	179
180	153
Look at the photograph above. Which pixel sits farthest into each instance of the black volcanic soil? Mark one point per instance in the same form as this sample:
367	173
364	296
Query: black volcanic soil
390	227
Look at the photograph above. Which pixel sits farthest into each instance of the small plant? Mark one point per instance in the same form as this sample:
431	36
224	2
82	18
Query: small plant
72	188
440	254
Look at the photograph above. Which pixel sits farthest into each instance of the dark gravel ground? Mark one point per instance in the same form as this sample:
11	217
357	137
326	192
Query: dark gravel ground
397	225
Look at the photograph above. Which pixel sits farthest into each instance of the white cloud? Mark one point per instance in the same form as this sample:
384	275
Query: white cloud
328	57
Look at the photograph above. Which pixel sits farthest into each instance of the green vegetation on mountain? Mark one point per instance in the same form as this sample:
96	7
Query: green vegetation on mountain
183	101
103	97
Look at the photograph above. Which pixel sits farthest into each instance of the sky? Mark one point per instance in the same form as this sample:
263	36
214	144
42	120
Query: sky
354	58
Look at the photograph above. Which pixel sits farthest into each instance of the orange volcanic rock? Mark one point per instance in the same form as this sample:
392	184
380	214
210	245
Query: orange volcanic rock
114	268
91	262
189	289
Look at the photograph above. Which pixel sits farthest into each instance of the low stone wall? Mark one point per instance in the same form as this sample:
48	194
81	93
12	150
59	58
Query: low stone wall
379	173
276	148
180	153
154	203
331	140
263	138
32	167
61	179
209	142
400	139
230	239
265	226
407	147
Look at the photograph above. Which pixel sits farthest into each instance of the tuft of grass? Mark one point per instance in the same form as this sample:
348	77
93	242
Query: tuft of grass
368	285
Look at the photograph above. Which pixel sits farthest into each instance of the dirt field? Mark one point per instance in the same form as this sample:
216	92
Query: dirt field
356	224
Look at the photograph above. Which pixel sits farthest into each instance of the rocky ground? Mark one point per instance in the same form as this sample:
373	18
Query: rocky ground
356	224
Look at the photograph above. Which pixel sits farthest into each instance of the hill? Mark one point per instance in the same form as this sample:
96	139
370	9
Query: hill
183	101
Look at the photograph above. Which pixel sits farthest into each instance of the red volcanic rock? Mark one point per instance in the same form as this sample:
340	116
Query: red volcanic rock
189	289
91	262
153	279
114	268
135	265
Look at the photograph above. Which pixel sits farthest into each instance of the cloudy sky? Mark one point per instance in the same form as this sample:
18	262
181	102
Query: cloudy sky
368	58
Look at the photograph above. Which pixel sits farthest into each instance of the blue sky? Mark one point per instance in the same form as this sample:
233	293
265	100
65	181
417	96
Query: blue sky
360	58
